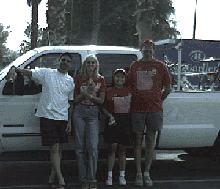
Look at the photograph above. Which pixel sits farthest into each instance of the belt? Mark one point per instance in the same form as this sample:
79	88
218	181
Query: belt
88	106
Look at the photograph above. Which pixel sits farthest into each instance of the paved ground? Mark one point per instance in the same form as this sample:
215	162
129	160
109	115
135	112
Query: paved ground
170	170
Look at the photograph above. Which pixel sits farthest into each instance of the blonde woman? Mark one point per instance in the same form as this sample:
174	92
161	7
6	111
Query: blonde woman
89	94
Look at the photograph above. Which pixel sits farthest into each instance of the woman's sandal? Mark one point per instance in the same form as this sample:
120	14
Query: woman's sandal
60	187
52	185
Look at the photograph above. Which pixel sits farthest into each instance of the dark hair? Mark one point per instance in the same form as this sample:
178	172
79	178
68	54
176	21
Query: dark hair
66	54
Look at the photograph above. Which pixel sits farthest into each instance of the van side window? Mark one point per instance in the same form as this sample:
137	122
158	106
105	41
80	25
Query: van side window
110	62
25	86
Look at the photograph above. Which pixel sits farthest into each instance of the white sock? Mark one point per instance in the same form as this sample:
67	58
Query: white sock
122	173
110	174
146	174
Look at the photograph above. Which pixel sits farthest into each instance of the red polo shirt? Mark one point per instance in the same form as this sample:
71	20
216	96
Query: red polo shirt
147	80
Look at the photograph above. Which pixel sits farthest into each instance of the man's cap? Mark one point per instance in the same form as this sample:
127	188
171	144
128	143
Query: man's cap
148	42
120	71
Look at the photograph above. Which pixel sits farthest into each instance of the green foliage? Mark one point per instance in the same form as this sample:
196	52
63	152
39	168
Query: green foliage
3	38
57	23
117	21
41	41
163	27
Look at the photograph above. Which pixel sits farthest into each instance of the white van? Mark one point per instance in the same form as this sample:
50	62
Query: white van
19	128
191	117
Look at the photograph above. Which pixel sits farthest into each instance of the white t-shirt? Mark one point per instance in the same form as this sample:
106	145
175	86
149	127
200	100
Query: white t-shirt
57	89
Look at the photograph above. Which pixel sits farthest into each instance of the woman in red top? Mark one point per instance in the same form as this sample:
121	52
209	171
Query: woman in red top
89	94
117	108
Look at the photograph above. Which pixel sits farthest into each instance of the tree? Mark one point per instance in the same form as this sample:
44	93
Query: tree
153	20
3	49
113	22
34	22
96	20
42	39
57	22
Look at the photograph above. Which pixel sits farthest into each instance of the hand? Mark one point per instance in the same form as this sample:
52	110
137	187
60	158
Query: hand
111	120
11	74
82	90
68	128
91	86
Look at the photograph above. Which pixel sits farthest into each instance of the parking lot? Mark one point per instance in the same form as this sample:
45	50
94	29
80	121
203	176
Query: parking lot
171	169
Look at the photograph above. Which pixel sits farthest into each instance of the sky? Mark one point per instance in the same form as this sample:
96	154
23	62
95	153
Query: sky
207	15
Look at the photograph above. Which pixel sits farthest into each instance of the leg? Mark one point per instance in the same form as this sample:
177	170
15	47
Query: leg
122	157
138	122
53	171
137	152
122	163
111	160
111	155
154	124
55	161
80	144
149	151
92	138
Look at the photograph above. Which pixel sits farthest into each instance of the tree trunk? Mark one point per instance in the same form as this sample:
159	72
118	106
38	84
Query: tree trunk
34	24
144	23
96	24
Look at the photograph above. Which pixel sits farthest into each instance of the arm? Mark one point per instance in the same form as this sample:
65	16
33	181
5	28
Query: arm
70	113
109	115
77	92
23	71
70	110
78	98
106	112
99	100
166	92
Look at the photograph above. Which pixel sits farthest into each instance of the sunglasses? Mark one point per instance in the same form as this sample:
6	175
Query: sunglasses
63	60
90	62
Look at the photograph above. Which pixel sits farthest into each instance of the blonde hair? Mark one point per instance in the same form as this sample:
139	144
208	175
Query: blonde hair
83	70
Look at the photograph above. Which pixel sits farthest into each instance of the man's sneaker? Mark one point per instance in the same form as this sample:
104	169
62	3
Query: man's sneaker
93	184
148	181
109	182
85	185
139	181
122	181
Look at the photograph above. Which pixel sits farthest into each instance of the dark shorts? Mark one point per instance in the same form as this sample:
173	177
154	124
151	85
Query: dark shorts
53	131
153	121
120	133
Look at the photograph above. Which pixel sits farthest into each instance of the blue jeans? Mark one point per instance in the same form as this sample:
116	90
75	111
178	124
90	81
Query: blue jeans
86	123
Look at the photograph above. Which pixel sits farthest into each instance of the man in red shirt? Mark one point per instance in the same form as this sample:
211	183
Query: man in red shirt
151	83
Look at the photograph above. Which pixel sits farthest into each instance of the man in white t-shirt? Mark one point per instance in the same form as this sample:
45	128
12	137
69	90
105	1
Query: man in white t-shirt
55	108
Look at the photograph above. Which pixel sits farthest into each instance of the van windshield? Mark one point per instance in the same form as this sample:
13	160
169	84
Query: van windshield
110	62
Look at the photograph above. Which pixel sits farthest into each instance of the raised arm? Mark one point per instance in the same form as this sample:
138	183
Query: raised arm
23	71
